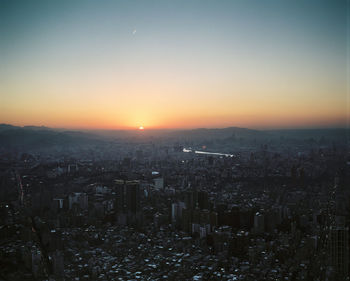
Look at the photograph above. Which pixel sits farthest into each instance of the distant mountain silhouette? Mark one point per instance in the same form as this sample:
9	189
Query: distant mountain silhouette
34	137
29	137
220	133
4	127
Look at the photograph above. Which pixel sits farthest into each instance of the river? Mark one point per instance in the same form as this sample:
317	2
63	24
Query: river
208	153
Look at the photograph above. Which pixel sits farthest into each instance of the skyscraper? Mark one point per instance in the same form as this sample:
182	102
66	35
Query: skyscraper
127	196
339	248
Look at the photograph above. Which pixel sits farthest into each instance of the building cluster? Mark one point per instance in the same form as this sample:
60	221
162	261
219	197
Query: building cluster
153	211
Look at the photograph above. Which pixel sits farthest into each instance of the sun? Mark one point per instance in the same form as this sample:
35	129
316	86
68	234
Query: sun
141	128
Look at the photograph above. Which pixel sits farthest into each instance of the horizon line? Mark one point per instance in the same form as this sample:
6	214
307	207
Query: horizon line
261	128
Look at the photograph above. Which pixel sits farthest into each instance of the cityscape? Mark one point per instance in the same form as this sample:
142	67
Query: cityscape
174	140
274	207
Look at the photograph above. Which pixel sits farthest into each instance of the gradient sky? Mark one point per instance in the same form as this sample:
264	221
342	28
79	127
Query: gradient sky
174	64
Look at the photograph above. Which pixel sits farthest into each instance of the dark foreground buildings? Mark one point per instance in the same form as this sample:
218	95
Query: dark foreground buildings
270	210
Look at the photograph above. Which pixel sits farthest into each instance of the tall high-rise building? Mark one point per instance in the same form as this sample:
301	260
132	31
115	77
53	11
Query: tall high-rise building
203	200
132	196
191	199
127	196
176	211
339	248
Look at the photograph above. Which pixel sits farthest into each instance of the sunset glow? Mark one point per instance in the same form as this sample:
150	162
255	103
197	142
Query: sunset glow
213	64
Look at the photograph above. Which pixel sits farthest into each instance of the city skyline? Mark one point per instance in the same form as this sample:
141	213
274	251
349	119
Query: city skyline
174	64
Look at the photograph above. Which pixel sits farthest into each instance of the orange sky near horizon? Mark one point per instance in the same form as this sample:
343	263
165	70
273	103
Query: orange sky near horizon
117	65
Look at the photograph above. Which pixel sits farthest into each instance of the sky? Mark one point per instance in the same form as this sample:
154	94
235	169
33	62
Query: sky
174	64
